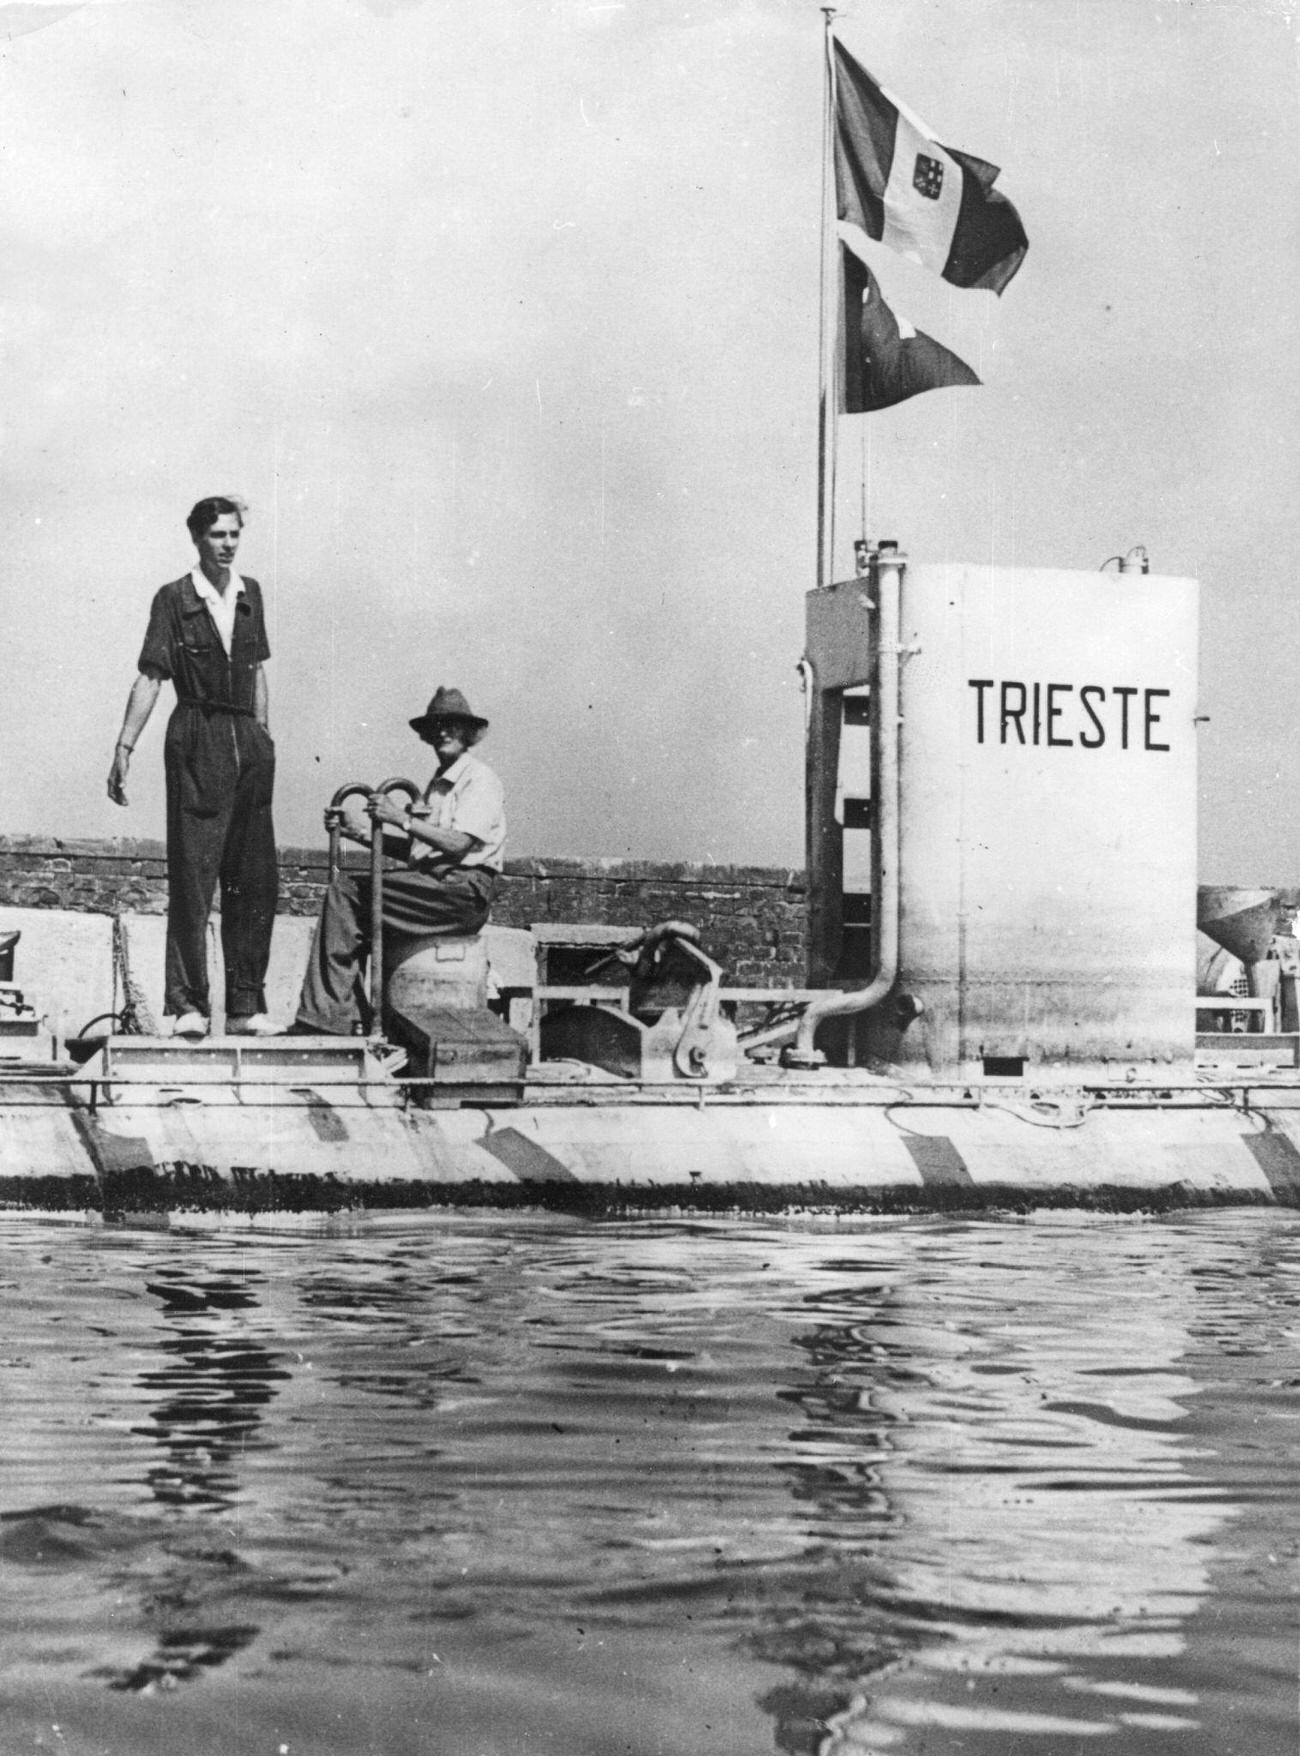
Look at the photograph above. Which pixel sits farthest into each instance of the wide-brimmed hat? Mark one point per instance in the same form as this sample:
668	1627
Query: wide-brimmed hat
447	704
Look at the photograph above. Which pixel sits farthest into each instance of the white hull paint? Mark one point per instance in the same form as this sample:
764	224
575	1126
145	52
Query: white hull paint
837	1148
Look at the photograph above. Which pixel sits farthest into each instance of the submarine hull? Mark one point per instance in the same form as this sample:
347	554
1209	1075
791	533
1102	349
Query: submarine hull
824	1144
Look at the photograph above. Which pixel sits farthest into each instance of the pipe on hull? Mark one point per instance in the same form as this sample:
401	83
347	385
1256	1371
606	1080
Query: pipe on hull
887	577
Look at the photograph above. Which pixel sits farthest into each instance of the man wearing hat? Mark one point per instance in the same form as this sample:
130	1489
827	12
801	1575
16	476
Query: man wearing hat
452	841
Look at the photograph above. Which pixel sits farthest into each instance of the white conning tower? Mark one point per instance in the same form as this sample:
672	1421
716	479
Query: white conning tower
1032	829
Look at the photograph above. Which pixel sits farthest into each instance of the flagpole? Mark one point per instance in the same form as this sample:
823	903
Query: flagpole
826	401
828	405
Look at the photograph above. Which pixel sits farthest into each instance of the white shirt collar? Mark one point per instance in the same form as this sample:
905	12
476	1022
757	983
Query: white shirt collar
449	776
205	588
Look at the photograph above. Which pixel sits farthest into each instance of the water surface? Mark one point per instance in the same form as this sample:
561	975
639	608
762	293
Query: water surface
504	1484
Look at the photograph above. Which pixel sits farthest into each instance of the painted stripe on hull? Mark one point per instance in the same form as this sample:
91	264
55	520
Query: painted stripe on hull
940	1164
1278	1158
529	1160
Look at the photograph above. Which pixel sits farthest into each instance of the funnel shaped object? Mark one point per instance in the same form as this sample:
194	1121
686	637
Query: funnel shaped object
1242	921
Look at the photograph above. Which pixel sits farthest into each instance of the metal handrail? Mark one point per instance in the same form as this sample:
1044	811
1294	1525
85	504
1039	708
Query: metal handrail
397	783
336	833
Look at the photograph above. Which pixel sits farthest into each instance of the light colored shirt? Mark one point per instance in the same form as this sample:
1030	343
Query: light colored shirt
221	604
466	797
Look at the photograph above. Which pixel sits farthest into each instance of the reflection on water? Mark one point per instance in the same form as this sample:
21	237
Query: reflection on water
498	1484
1055	1527
207	1395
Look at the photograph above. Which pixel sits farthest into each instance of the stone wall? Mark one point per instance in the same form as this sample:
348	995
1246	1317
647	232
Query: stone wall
751	918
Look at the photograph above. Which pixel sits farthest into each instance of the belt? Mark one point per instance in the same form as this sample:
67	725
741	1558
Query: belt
215	706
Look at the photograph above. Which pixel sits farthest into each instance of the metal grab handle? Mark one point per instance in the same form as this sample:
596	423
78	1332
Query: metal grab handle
344	792
397	784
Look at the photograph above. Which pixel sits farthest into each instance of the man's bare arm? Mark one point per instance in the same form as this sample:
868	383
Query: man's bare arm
452	842
139	705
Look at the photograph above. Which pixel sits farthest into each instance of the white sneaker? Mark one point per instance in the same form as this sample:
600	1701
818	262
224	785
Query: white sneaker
190	1024
255	1024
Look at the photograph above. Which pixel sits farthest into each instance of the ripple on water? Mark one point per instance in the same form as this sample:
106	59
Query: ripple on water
486	1483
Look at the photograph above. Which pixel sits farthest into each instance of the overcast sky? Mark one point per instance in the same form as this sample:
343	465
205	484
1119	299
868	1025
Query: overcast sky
503	319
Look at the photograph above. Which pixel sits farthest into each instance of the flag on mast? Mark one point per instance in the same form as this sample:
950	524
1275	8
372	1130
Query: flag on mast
885	359
928	202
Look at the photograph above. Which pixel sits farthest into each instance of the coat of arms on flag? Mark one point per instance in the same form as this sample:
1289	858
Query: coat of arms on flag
927	177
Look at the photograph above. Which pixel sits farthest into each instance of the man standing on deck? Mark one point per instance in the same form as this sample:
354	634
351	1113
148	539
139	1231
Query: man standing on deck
207	633
452	841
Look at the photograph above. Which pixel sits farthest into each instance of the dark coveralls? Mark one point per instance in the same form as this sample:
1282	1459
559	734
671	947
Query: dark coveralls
220	767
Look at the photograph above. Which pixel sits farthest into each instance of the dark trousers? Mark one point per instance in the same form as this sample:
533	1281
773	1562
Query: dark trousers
221	833
416	904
